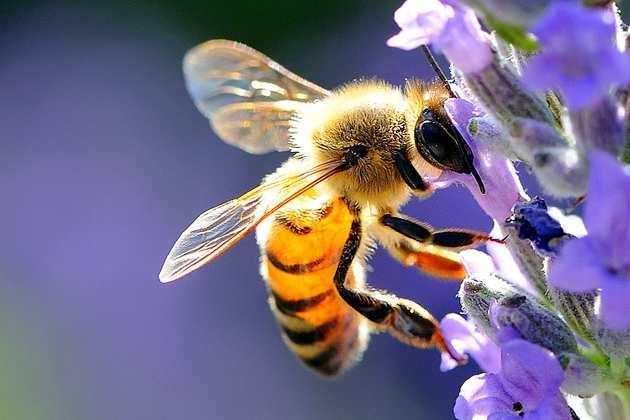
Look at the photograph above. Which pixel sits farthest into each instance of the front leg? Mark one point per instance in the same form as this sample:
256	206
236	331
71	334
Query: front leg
403	319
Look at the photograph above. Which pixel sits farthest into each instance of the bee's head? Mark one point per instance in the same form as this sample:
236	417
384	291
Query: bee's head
440	143
435	137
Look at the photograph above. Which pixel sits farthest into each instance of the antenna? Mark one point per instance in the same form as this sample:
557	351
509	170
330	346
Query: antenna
437	69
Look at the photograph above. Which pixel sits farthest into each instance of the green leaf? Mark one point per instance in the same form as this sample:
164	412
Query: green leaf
515	35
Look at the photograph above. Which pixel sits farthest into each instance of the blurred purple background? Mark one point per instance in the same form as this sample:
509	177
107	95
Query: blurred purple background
104	160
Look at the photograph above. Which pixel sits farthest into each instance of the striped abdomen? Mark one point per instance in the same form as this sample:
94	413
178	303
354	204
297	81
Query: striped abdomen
300	248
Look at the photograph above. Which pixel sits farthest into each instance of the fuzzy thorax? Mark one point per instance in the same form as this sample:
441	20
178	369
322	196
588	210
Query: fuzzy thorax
373	115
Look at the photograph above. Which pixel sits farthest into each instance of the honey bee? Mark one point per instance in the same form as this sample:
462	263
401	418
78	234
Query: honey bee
360	152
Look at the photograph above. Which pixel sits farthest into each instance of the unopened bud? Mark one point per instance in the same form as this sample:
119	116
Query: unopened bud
502	94
478	292
578	309
486	130
561	170
518	13
534	323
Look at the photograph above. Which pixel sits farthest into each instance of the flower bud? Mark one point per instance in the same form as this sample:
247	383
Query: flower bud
487	131
518	13
534	323
502	94
560	169
578	309
476	294
581	377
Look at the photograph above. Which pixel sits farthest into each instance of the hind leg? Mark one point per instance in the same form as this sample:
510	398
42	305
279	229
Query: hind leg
403	319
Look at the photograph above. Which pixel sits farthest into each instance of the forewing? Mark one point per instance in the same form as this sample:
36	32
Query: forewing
248	98
219	228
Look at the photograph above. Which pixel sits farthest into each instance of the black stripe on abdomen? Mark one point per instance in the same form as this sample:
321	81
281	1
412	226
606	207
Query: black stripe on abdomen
326	362
291	306
294	268
331	360
311	336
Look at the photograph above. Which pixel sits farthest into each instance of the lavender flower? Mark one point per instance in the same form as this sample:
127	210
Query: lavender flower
601	259
503	188
526	386
538	295
462	338
450	26
581	59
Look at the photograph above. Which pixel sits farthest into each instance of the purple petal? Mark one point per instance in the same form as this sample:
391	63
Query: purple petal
584	74
504	334
554	407
420	22
614	303
462	338
503	187
464	43
578	267
481	396
572	17
476	262
606	213
452	27
530	373
504	261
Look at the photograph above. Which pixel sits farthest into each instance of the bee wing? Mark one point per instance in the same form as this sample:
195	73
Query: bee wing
248	98
216	230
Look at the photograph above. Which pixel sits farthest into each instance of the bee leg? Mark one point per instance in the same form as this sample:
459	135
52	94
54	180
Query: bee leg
403	319
411	176
433	260
453	239
432	251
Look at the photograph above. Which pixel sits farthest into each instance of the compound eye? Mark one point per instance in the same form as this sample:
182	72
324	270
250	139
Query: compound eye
439	147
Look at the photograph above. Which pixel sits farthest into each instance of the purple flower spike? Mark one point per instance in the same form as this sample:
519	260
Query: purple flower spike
451	27
503	188
526	387
580	59
462	338
601	258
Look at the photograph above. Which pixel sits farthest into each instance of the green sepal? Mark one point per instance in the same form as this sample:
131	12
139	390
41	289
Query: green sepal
515	35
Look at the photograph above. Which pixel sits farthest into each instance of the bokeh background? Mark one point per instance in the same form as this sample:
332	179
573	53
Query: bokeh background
104	160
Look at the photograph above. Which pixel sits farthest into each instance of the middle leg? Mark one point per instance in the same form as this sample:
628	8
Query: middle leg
434	251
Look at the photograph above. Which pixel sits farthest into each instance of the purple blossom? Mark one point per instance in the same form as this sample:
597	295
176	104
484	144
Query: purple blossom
579	55
462	338
527	386
450	26
503	188
601	258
